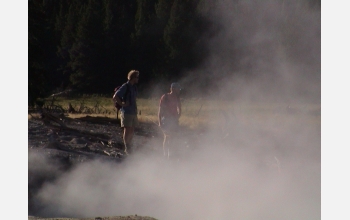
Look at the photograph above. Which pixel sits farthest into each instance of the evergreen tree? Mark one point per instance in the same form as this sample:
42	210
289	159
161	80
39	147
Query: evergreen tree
86	52
182	36
160	69
66	27
118	24
40	50
143	41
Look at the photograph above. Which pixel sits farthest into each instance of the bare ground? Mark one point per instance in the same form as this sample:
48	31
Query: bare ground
70	141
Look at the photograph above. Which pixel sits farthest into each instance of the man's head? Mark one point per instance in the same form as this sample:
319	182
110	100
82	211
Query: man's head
133	76
175	87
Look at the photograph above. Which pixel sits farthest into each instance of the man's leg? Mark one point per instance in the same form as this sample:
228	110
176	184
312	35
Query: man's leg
166	145
174	140
127	138
128	122
124	140
129	134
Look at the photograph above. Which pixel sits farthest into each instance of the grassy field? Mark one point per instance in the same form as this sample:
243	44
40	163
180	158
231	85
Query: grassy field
196	113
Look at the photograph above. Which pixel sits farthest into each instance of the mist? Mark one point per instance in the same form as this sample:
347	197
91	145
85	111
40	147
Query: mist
262	50
262	175
252	169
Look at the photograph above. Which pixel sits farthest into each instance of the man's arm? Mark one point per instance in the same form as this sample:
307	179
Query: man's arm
179	107
117	99
160	111
120	93
159	115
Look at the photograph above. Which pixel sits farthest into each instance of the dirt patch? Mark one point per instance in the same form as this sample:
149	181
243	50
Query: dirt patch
88	136
71	141
66	142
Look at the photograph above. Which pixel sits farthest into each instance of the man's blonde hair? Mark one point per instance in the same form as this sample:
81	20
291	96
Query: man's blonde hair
132	74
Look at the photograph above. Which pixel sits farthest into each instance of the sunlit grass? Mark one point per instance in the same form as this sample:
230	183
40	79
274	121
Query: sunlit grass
199	113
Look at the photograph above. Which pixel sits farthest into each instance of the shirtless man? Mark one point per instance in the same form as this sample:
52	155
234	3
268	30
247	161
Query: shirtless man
168	116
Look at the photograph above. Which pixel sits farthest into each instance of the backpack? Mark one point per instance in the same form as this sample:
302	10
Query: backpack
116	105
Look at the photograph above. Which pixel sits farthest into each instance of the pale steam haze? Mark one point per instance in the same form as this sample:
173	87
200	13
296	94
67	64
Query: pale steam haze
267	166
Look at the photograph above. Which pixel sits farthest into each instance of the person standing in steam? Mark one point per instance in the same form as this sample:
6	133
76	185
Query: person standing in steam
168	116
126	96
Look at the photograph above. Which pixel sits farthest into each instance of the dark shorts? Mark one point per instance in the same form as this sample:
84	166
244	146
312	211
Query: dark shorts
170	125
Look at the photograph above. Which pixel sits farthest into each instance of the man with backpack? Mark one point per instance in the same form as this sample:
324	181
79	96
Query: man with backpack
168	116
126	96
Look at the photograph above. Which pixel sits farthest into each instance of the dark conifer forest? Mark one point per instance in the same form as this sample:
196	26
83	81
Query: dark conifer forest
89	46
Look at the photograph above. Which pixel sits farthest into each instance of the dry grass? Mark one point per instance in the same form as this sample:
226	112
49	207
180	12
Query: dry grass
198	113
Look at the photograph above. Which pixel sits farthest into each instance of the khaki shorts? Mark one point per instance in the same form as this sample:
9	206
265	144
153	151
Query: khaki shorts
128	120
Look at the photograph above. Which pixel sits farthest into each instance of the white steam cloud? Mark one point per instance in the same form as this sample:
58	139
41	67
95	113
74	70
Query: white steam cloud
213	183
256	169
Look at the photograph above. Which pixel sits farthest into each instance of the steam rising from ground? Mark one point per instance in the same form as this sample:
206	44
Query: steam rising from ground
267	169
264	50
252	174
214	182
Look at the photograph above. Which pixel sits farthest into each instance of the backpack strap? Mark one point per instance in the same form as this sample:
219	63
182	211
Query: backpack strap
127	91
